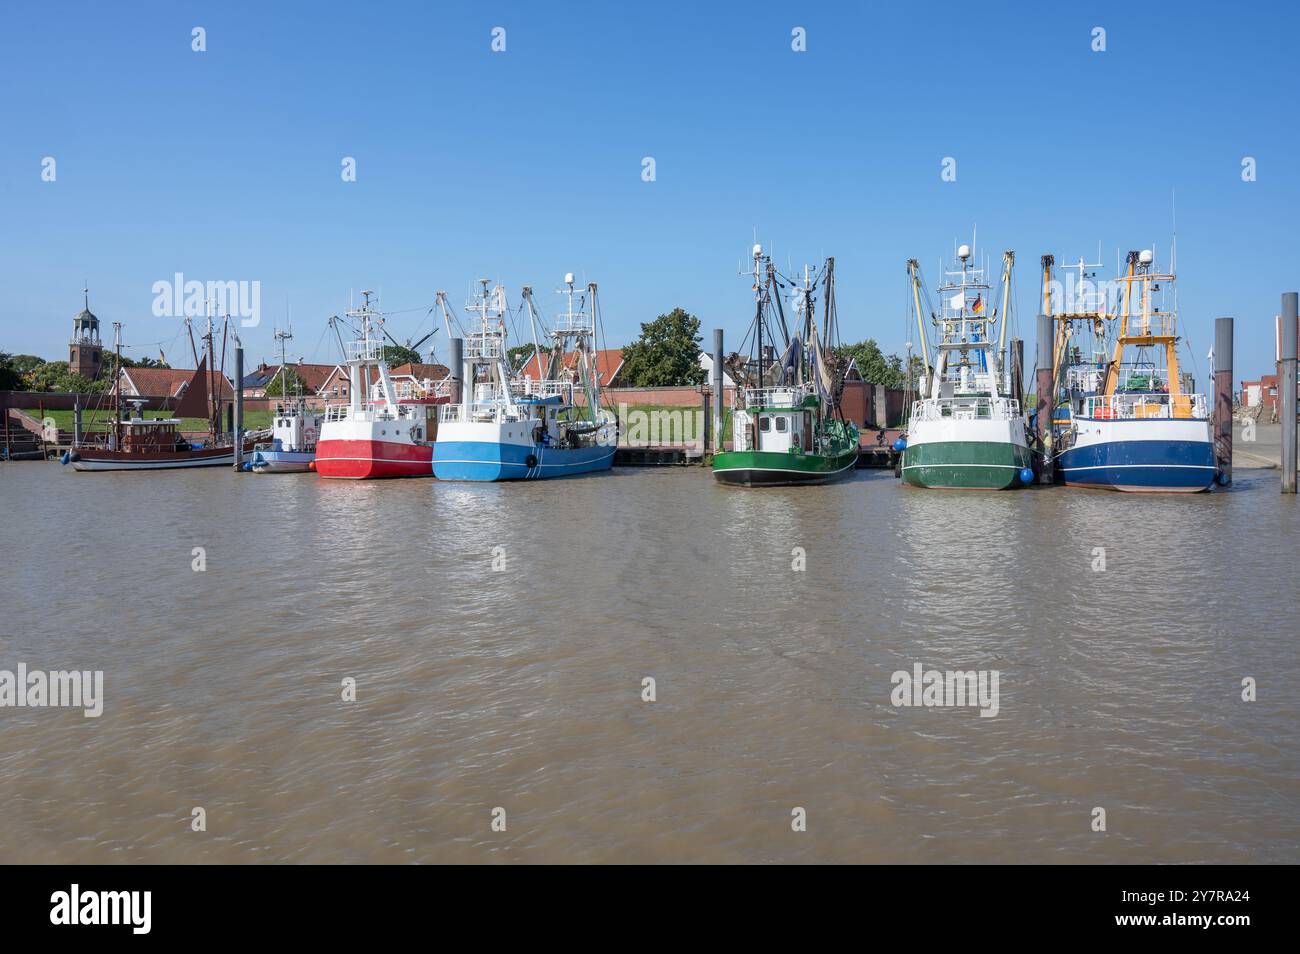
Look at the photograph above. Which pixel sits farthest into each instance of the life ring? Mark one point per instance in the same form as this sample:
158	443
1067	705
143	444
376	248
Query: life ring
1104	413
530	461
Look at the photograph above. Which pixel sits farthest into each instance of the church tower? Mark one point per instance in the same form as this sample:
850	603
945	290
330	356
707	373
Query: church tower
85	350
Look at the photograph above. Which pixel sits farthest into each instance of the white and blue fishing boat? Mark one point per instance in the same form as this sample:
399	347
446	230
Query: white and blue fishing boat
292	447
294	429
507	426
1139	427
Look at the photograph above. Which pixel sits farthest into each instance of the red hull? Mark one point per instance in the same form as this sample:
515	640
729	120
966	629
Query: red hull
363	460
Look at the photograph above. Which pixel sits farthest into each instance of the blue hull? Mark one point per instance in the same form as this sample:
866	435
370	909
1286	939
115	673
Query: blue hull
1140	465
477	460
281	462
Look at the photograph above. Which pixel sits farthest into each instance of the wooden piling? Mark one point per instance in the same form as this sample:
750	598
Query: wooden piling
1018	369
1223	398
1046	398
237	430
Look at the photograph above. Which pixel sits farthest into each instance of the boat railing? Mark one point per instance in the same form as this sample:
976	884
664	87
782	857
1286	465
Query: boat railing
1137	407
376	412
527	387
784	396
1157	324
1083	378
965	409
1142	378
421	390
474	413
483	346
365	350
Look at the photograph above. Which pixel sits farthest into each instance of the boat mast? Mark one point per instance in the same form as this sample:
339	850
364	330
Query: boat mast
1008	263
282	337
1111	378
117	385
914	274
593	400
207	339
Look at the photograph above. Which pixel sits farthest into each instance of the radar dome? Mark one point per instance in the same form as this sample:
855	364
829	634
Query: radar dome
1145	256
963	251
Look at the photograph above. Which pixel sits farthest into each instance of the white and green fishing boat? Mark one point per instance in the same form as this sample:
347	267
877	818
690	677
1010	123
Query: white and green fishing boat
967	432
786	426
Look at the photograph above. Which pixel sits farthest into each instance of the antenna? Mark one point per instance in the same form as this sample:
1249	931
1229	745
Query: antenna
1173	216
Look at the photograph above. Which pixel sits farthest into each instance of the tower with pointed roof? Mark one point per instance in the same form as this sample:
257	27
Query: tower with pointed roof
85	350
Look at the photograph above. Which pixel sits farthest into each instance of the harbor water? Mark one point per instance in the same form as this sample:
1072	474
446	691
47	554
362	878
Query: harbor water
500	636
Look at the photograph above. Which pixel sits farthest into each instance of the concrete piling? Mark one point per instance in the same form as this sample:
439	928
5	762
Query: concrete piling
1222	414
719	392
1046	398
1286	384
455	365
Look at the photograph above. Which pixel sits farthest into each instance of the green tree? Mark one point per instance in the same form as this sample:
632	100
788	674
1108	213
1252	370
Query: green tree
10	377
46	377
667	353
875	366
518	356
292	383
396	354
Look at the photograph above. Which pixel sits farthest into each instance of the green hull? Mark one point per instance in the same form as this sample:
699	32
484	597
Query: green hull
779	468
966	465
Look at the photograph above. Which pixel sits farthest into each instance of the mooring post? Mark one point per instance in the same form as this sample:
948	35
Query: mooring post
1223	398
719	391
1018	369
1046	397
76	421
237	431
705	426
455	369
1286	385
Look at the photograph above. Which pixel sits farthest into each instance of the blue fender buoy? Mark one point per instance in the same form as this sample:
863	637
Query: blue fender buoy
246	466
1026	475
900	445
67	456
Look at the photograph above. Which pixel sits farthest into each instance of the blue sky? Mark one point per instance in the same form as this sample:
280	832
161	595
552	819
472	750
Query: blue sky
522	165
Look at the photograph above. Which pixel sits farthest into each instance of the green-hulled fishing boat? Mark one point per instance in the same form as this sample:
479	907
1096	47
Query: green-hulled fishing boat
786	427
967	432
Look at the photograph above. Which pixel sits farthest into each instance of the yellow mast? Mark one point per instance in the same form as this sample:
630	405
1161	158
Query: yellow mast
1111	380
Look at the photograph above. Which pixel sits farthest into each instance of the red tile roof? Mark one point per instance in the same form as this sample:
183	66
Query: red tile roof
421	372
312	376
166	382
608	363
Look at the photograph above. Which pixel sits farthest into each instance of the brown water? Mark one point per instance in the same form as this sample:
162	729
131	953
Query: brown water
522	688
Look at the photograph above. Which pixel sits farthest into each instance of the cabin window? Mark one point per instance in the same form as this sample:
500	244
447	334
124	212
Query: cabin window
764	424
782	425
